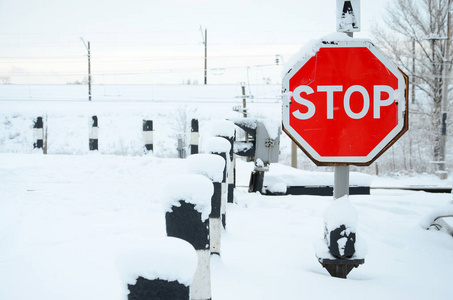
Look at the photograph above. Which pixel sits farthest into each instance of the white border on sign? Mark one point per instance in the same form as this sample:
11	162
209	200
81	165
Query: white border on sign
401	104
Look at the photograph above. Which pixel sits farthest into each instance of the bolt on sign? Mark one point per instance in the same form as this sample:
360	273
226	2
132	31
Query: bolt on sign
345	103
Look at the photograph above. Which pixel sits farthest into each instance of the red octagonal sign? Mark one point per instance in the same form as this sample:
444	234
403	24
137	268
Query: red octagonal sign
345	103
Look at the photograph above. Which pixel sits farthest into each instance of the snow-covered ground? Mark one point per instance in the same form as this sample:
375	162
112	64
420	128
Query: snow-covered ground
71	219
67	221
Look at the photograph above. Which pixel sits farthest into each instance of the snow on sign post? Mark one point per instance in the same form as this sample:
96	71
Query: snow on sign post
344	102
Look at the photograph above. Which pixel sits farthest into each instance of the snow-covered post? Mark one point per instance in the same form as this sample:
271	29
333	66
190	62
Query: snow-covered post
194	136
232	179
148	134
219	146
211	166
226	130
94	133
187	217
340	228
340	251
163	271
145	289
38	128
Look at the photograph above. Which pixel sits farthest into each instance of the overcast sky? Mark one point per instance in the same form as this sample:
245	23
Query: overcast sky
151	41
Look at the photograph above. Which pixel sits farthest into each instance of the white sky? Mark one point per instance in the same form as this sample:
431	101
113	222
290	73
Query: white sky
151	41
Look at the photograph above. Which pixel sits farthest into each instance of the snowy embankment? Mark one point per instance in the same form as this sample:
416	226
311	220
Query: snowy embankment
68	220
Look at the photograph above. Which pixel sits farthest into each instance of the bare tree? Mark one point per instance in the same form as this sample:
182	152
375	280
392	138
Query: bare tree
417	42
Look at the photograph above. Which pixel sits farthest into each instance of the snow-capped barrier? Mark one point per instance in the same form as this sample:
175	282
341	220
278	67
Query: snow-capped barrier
194	136
148	135
94	134
213	167
187	217
219	147
214	132
38	129
165	271
230	136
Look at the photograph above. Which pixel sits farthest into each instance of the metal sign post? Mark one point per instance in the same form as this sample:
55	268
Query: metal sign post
348	21
341	182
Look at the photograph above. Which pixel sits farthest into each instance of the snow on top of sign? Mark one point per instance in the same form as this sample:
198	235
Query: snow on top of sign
273	127
192	188
247	122
242	146
310	48
166	258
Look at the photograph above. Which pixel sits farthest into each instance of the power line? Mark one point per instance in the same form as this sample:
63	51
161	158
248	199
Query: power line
134	72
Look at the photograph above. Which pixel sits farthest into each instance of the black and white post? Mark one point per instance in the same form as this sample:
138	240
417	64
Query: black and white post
145	289
223	187
188	219
221	133
94	134
148	135
198	163
215	218
231	172
160	273
38	128
194	136
220	147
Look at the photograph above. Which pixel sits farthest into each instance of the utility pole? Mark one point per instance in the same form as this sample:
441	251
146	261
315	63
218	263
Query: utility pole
413	71
443	137
244	100
87	46
205	42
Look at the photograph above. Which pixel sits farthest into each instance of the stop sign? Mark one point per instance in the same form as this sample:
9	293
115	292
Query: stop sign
344	102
